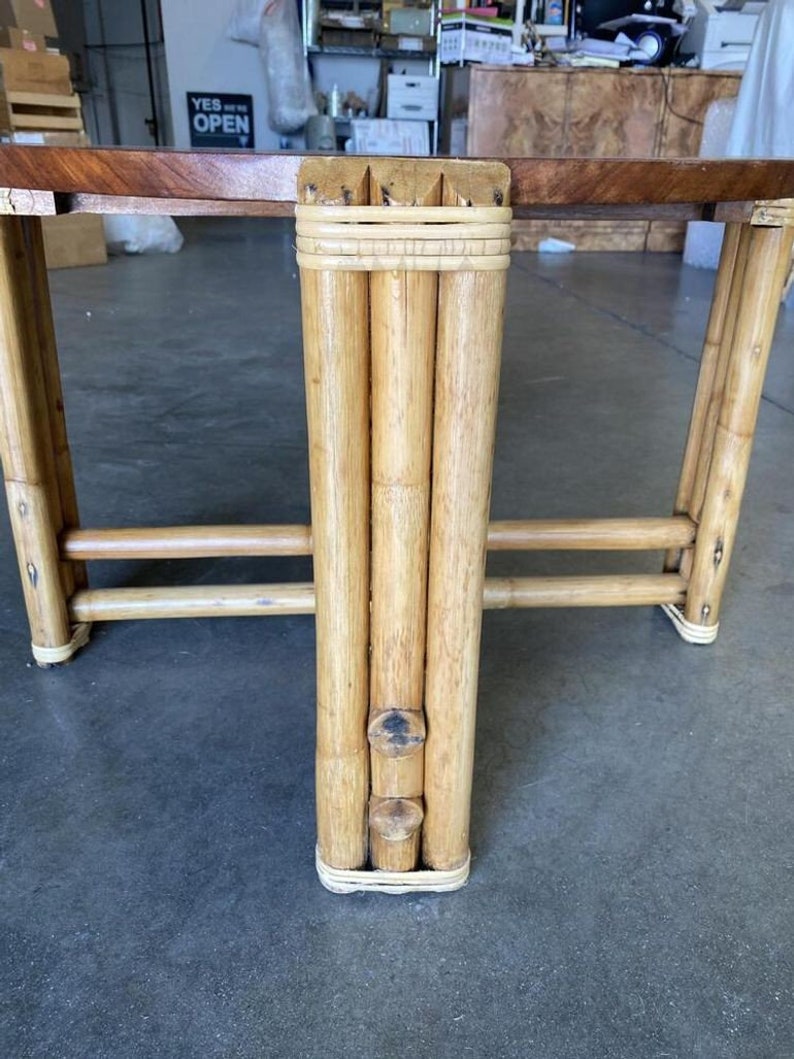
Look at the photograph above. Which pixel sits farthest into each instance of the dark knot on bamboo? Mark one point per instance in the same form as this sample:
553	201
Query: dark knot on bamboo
397	733
395	819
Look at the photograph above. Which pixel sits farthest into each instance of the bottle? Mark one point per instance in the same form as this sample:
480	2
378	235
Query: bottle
335	102
554	12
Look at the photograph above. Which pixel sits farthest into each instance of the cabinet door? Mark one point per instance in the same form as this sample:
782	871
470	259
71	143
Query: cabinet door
688	96
614	114
517	113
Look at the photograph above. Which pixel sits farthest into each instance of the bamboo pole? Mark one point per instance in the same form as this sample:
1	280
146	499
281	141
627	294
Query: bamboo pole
471	307
66	517
598	534
711	382
768	256
607	590
193	601
403	335
25	446
186	542
336	361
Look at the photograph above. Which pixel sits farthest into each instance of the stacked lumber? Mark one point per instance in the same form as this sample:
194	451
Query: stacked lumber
38	105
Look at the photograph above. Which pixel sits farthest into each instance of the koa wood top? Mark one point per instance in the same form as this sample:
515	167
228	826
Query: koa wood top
46	180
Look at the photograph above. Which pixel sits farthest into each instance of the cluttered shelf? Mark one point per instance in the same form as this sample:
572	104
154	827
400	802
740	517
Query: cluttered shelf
392	108
550	35
360	51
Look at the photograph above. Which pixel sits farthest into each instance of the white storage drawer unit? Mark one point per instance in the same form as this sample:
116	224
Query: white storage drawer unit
412	97
721	39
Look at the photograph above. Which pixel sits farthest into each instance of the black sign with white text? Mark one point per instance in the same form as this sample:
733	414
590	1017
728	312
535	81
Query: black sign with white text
220	120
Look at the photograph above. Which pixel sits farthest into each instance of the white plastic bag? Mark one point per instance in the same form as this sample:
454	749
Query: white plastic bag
274	27
244	23
139	234
704	238
289	89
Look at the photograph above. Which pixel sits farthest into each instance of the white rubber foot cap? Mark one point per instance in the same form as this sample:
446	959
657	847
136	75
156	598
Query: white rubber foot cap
689	630
340	881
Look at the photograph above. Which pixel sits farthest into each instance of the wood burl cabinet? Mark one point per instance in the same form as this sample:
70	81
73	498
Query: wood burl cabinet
558	113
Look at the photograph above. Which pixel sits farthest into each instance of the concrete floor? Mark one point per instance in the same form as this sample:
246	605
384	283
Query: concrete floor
631	892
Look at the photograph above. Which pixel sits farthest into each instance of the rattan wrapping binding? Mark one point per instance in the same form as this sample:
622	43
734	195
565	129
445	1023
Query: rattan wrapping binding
415	238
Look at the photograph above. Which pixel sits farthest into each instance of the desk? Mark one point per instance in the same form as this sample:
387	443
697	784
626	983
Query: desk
393	255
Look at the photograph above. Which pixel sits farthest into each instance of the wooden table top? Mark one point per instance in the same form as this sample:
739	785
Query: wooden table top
48	180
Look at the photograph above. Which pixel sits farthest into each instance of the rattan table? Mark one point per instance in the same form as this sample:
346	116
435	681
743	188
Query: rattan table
403	265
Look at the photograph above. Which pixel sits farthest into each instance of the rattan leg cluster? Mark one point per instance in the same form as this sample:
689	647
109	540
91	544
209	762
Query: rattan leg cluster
403	283
752	273
35	455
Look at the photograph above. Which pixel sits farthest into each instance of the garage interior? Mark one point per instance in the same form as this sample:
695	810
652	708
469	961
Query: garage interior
631	834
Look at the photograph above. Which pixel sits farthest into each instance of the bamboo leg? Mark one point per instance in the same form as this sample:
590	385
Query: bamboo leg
470	341
73	573
336	356
403	326
768	254
711	377
27	457
470	312
467	378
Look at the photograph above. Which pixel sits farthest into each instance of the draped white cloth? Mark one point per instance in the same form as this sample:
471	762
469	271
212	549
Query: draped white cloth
763	123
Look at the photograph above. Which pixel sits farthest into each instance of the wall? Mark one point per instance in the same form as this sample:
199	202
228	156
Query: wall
71	39
119	105
201	58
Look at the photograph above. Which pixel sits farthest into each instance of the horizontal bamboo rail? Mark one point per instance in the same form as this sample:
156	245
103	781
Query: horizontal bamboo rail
194	601
602	534
186	542
610	590
43	204
230	601
209	542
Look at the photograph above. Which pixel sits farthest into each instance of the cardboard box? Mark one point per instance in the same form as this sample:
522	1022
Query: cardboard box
25	71
467	38
36	138
378	136
421	45
11	37
412	98
411	21
33	15
74	240
458	130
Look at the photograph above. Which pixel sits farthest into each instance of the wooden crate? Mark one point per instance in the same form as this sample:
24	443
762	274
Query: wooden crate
74	240
43	138
559	113
41	110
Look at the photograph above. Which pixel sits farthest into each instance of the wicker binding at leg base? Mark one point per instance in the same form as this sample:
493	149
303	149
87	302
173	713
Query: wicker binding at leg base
362	880
53	656
689	630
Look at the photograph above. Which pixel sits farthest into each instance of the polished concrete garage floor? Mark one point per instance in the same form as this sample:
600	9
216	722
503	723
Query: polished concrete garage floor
633	831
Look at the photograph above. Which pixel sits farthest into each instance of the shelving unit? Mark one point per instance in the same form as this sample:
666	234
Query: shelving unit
339	51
